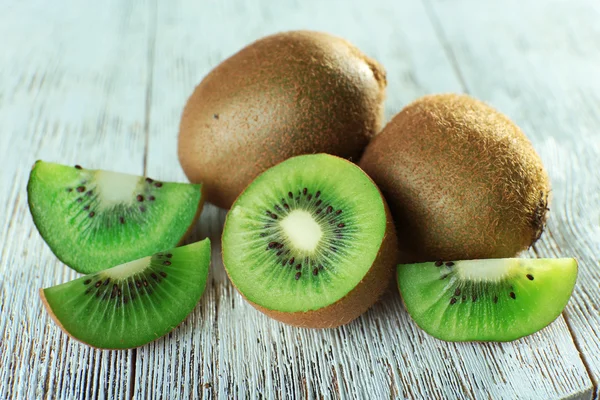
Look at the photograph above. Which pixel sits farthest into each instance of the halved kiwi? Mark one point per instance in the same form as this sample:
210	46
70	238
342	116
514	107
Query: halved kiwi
134	303
486	300
310	242
94	219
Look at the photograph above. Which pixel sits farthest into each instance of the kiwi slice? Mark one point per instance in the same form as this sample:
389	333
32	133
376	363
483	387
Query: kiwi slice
94	219
486	300
310	242
134	303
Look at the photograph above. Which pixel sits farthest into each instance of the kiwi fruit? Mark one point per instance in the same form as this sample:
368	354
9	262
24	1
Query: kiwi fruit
94	219
134	303
310	242
288	94
486	300
461	179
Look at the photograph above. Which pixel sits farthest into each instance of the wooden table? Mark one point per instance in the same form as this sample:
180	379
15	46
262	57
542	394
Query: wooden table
103	84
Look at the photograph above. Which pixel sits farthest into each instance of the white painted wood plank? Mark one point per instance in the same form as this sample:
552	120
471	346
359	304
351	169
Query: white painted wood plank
540	65
227	349
73	81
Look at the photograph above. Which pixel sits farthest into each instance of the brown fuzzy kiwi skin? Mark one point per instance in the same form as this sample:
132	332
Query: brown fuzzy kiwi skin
291	93
461	179
366	293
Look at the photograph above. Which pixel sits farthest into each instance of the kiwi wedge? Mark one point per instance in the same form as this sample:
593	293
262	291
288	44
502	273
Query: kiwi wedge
292	93
94	219
486	300
310	242
462	180
134	303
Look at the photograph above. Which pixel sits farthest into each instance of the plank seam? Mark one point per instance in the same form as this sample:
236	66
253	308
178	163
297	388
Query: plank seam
150	83
441	36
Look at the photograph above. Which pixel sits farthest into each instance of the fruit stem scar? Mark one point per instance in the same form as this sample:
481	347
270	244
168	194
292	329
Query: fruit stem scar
300	228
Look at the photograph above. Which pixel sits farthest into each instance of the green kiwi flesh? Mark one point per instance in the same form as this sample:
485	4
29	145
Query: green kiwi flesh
486	300
287	94
304	235
134	303
94	219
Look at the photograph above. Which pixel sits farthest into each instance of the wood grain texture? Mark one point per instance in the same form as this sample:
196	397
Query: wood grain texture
72	87
235	351
540	66
104	86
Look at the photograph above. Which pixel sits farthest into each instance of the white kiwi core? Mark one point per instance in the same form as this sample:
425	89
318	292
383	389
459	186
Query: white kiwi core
115	188
302	231
493	270
128	269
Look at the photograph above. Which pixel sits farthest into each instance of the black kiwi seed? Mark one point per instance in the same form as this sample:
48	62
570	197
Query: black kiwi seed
464	298
299	267
163	274
292	260
86	207
286	206
530	277
78	166
107	281
139	197
439	263
290	195
138	284
145	282
284	262
91	214
81	189
298	275
495	299
319	210
151	198
329	209
158	184
457	292
279	253
89	193
341	225
453	300
318	203
304	191
154	276
122	220
512	295
87	281
317	194
98	284
449	264
69	190
142	208
338	212
167	263
474	298
272	245
149	180
315	271
169	255
309	197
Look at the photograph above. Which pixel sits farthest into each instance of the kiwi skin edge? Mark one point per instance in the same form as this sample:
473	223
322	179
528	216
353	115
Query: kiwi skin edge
366	293
292	93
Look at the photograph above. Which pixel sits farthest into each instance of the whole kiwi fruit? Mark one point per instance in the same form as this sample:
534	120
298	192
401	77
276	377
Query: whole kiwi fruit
461	179
288	94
